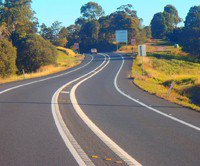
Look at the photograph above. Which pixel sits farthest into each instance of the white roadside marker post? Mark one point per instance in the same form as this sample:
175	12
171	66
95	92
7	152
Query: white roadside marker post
170	89
24	73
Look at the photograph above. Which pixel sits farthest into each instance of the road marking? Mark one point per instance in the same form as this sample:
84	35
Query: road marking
19	86
108	141
79	155
65	92
67	137
151	108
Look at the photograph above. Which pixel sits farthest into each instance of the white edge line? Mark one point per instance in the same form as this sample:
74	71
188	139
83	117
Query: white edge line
110	143
153	109
67	137
79	155
19	86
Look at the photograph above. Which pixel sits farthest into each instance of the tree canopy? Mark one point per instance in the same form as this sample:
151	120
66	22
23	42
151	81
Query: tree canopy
163	23
92	10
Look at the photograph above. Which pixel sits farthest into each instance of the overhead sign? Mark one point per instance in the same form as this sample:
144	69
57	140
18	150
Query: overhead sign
142	50
76	46
121	36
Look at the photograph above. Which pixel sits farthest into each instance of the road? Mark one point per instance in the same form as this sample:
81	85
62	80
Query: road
94	115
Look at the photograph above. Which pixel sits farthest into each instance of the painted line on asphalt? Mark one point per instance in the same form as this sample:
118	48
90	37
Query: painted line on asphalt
33	82
79	155
151	108
65	92
108	141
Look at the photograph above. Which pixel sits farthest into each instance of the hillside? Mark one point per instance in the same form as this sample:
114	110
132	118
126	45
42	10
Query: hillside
165	65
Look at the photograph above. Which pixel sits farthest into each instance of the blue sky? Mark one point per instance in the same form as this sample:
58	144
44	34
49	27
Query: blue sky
67	11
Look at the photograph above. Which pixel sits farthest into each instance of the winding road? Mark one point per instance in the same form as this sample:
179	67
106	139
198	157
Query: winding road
94	115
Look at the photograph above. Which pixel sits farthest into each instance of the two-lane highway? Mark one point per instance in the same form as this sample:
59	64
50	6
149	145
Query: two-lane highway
94	115
29	135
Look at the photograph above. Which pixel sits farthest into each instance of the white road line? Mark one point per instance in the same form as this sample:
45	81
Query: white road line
64	92
75	149
151	108
33	82
108	141
79	155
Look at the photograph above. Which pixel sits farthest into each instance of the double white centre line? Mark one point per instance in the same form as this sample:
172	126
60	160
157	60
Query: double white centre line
82	157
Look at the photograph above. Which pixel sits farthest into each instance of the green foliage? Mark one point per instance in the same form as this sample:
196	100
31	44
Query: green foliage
193	17
89	32
35	52
163	23
128	9
174	13
19	17
56	34
92	10
93	29
191	41
193	93
148	31
4	32
189	36
7	58
158	26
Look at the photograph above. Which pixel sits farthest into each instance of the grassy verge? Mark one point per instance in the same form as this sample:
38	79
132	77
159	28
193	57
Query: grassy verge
162	68
65	59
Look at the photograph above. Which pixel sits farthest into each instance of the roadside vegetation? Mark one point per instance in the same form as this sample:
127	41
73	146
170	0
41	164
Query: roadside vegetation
63	62
25	49
165	65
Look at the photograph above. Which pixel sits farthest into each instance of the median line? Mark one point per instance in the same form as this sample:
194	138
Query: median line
108	141
79	155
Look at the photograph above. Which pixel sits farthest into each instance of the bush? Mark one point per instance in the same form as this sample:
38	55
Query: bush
7	58
35	52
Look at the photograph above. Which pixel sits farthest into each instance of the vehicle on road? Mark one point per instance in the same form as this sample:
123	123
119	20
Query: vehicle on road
94	51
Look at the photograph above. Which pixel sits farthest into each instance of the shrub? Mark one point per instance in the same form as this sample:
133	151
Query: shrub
35	52
7	58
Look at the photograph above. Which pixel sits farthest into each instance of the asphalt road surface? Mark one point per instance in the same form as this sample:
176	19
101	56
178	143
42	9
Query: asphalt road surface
94	115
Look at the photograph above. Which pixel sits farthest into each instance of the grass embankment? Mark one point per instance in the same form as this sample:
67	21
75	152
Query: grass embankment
66	59
163	65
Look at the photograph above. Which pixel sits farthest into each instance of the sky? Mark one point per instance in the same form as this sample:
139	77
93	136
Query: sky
67	11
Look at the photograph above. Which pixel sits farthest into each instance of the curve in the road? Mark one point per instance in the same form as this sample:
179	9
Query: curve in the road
33	82
152	109
77	152
108	141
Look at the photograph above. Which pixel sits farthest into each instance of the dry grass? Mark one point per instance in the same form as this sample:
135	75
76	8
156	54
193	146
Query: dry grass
161	72
67	51
64	62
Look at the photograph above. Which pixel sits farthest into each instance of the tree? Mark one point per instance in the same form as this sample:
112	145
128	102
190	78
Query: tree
92	10
73	35
80	21
148	31
19	17
158	26
174	13
7	58
193	17
191	32
128	9
46	32
35	52
4	32
89	32
62	37
163	23
52	33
